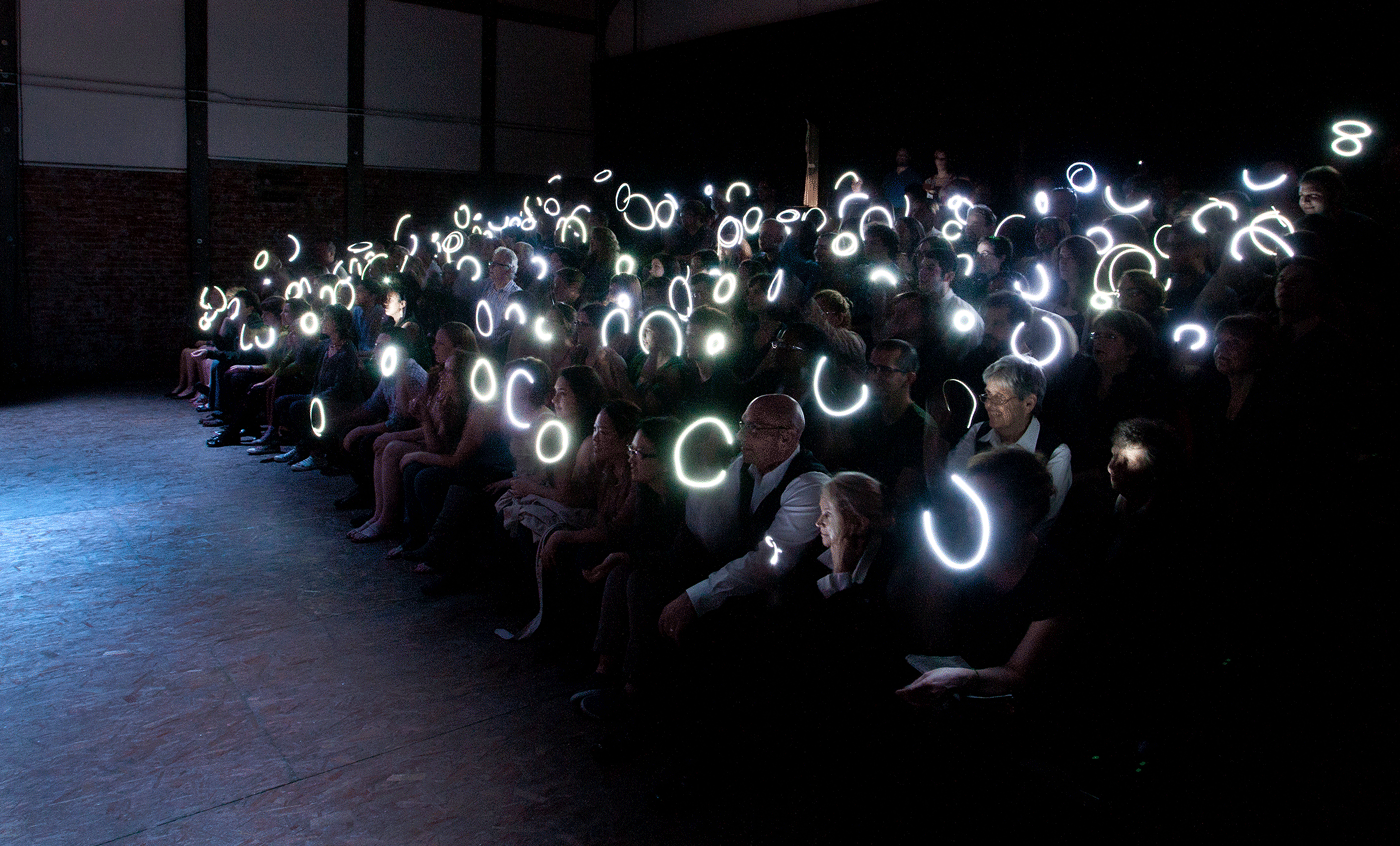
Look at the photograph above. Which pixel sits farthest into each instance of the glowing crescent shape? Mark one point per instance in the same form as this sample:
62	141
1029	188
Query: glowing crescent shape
602	176
557	207
1271	214
563	225
1110	260
777	551
318	430
360	247
399	225
1101	301
388	361
733	286
619	201
1262	186
1054	351
971	414
563	441
1006	220
984	518
851	174
714	344
271	339
482	306
854	195
261	259
651	213
555	178
1156	236
607	319
1076	187
836	412
1349	134
517	309
1108	238
542	264
968	263
1042	292
296	248
775	288
294	290
884	274
1251	230
1213	204
309	324
789	216
808	213
669	219
964	320
413	239
350	289
738	227
669	318
476	266
483	365
956	204
244	345
685	478
689	295
235	308
1141	206
756	212
1042	203
844	238
326	294
509	392
449	246
542	333
865	218
944	230
1191	328
223	298
729	192
624	264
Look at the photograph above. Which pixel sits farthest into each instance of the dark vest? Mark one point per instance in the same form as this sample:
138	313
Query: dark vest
1047	442
752	527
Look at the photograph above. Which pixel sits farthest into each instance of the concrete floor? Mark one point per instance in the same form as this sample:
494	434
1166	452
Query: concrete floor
194	654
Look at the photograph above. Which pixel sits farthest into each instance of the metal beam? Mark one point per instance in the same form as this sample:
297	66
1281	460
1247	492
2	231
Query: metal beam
197	138
355	123
13	307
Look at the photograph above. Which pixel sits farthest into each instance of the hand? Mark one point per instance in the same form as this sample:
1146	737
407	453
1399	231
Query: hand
597	574
202	352
239	368
422	457
350	437
676	617
259	386
935	686
500	487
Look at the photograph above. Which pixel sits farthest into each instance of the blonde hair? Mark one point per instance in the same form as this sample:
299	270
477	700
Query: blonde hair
858	502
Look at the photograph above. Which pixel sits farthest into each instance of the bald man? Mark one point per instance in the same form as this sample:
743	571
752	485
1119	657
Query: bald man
770	491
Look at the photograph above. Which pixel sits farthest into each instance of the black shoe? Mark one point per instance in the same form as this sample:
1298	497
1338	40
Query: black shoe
357	500
224	438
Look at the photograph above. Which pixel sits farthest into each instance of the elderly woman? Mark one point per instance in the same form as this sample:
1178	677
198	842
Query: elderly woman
850	521
1015	392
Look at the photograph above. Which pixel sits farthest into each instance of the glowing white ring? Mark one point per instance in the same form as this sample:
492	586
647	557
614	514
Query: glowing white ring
689	295
865	217
669	318
1156	236
731	243
984	519
1350	137
1108	236
1213	204
563	441
970	264
884	274
964	320
1042	203
715	343
828	410
944	230
1042	292
836	242
483	364
519	310
729	192
316	430
271	339
309	324
1101	300
756	212
1082	189
854	195
542	334
388	361
1194	328
651	213
1054	351
542	264
1262	186
1271	214
620	202
855	179
624	264
335	295
261	260
683	477
1141	206
545	206
297	289
448	246
607	319
957	203
971	414
1251	230
360	247
789	216
824	222
721	299
775	288
709	190
670	219
1006	220
484	306
602	176
476	264
509	392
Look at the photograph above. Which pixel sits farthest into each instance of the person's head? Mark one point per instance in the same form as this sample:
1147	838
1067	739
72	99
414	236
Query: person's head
892	369
613	427
1147	456
1120	338
852	506
625	291
992	254
1049	232
323	253
1126	229
1001	312
452	335
368	293
1016	488
602	242
910	232
271	309
535	391
907	317
1141	293
292	312
1075	259
568	286
1189	251
1063	203
501	270
649	453
693	215
1321	190
937	265
247	304
1301	288
881	243
981	223
658	339
770	236
770	431
836	309
1015	389
588	325
578	395
339	325
662	266
901	157
702	262
708	334
1241	344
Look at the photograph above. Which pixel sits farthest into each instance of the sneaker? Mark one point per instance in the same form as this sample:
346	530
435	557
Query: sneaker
291	455
265	449
311	462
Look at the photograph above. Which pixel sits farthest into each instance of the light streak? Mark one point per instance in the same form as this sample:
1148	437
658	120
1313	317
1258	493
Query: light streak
1076	187
777	551
668	317
944	230
845	238
414	240
1193	329
1042	203
404	263
715	343
729	192
958	202
545	206
243	344
297	289
543	264
548	426
399	225
602	176
775	288
619	201
789	216
709	190
450	246
1271	214
388	361
1042	292
309	324
607	319
510	392
1136	208
828	410
624	264
206	320
327	293
296	248
482	306
204	299
651	213
670	219
542	333
738	227
1101	301
1156	240
846	200
350	287
476	266
318	430
689	295
271	339
968	263
685	478
235	308
884	274
824	222
1006	220
1108	238
360	247
1054	352
1251	230
483	366
970	414
555	178
1110	260
756	212
964	320
984	519
1349	134
564	225
733	280
1262	186
261	260
865	218
354	268
1213	204
854	177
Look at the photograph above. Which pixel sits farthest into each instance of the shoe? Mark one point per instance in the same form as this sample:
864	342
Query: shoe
357	499
596	683
203	408
311	462
264	449
292	455
268	437
224	438
211	421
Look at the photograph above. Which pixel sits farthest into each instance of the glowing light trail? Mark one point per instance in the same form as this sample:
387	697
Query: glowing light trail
836	412
984	519
685	478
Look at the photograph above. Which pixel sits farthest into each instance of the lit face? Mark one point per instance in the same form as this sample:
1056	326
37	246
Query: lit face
986	259
500	271
901	157
394	306
884	375
644	460
1234	354
1046	238
565	400
658	269
1068	267
585	332
1133	296
765	440
1313	198
607	443
1111	350
1007	412
442	347
828	521
1130	469
932	278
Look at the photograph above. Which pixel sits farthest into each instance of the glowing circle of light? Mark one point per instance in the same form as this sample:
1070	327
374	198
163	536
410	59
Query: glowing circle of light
1191	329
970	414
622	197
777	550
953	236
661	314
388	361
789	216
958	205
271	339
729	284
541	329
847	200
509	392
608	318
1042	203
1078	188
672	207
309	324
677	452
1259	187
651	213
518	310
729	192
624	264
824	222
969	264
684	282
1040	293
550	426
449	246
984	519
545	206
884	274
359	247
1213	204
964	320
1349	134
261	260
715	343
1156	240
828	410
1108	238
845	244
865	218
602	176
318	429
734	223
775	288
483	307
1054	351
755	212
1101	301
349	293
297	289
1252	230
1006	220
1136	208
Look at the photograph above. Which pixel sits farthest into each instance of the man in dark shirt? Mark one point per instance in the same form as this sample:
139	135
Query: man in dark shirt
892	427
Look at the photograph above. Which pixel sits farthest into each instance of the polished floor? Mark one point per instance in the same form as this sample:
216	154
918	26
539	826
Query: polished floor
192	653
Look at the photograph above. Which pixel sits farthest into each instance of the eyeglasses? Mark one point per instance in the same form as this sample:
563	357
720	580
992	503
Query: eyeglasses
784	345
884	370
631	450
747	428
1107	336
500	264
995	401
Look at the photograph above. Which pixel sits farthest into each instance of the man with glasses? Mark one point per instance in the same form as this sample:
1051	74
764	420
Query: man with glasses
889	432
500	277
